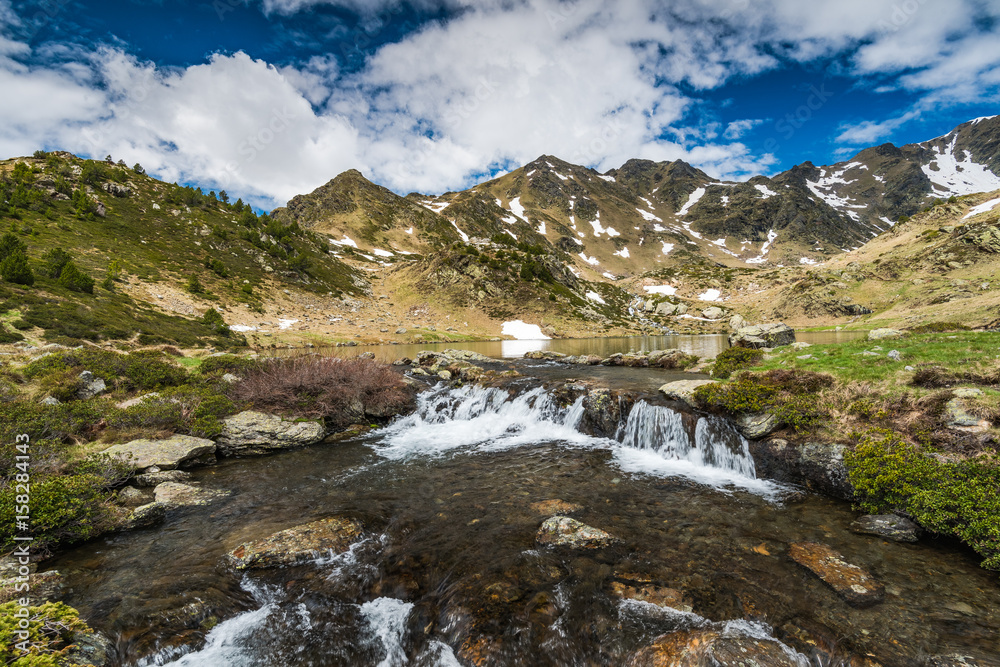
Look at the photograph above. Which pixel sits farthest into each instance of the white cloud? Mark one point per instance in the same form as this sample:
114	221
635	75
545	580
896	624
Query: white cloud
870	132
738	128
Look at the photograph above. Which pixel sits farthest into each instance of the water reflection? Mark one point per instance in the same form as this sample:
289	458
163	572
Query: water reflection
705	346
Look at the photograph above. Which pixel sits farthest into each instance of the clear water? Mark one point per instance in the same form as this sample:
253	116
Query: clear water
449	572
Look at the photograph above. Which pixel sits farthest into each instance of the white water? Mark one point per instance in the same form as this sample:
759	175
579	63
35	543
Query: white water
652	441
387	619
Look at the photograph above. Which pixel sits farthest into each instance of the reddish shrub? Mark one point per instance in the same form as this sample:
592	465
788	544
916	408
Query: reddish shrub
340	391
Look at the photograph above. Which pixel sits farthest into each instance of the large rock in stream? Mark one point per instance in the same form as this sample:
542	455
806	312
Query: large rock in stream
816	465
333	535
168	454
564	531
253	433
712	648
858	587
683	390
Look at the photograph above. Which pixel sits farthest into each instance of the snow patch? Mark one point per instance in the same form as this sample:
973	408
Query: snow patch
589	260
522	331
410	230
609	276
692	200
623	253
959	177
982	208
465	237
286	324
594	296
669	290
710	295
344	241
242	328
765	192
648	217
609	179
667	247
806	260
437	207
760	259
381	253
516	208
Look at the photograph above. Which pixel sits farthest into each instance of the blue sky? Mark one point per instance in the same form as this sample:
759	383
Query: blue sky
270	98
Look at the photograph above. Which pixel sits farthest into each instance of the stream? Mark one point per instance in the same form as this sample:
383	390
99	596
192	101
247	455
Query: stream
448	571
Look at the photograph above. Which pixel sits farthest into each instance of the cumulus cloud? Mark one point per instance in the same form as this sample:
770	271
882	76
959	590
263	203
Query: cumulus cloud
500	82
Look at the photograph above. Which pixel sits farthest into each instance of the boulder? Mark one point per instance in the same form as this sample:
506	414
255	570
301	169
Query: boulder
884	334
774	334
658	595
683	390
146	516
564	531
814	465
90	386
469	355
90	649
603	410
293	545
757	425
713	313
736	322
544	355
889	526
150	479
855	585
175	494
167	454
132	497
712	648
957	415
253	433
667	308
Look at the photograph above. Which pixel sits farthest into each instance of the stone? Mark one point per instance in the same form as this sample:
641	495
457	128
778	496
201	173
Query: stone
51	400
402	361
150	479
817	466
564	531
658	595
544	355
757	426
957	415
146	516
333	535
166	454
713	313
895	355
138	400
683	390
953	659
132	497
174	493
229	378
800	345
253	433
889	526
770	335
967	392
884	334
90	649
400	330
90	386
711	648
856	586
736	322
667	308
556	506
445	375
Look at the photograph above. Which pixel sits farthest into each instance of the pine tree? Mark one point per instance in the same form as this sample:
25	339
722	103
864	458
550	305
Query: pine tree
14	269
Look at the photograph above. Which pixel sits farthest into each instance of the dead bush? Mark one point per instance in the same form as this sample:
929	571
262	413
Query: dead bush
339	391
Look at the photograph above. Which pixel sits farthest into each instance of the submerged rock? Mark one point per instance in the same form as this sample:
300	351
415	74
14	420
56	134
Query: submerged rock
287	547
564	531
251	433
556	506
889	526
775	334
165	454
855	585
658	595
150	479
711	648
146	516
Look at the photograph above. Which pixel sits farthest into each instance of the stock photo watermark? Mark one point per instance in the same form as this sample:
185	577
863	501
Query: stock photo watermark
23	539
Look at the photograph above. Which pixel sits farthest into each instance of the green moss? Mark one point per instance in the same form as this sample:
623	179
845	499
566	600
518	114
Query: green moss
51	628
951	498
734	359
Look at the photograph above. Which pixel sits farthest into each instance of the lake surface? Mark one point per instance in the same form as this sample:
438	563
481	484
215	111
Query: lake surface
449	572
705	346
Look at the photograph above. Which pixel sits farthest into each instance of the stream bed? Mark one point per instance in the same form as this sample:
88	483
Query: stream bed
448	571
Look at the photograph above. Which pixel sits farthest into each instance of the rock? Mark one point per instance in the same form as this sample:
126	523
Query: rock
957	415
800	346
229	378
764	335
736	322
884	334
90	649
90	386
165	454
617	359
603	411
550	507
138	400
445	375
895	355
327	536
402	361
757	426
816	466
855	585
150	479
564	531
683	390
712	648
400	330
889	526
253	433
173	493
953	660
132	497
544	355
146	516
661	597
51	400
667	308
967	392
713	313
469	355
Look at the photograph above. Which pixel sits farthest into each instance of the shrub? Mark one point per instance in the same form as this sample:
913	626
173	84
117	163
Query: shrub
953	498
939	327
9	336
213	318
55	260
735	359
226	363
51	629
334	389
14	269
138	370
753	393
74	279
194	285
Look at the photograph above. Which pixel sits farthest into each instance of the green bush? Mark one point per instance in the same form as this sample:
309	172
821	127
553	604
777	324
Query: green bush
51	629
226	363
9	336
14	269
793	404
55	260
75	420
735	359
952	498
213	318
74	279
138	370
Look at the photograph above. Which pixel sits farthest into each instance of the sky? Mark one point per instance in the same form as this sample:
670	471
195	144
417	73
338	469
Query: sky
272	98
